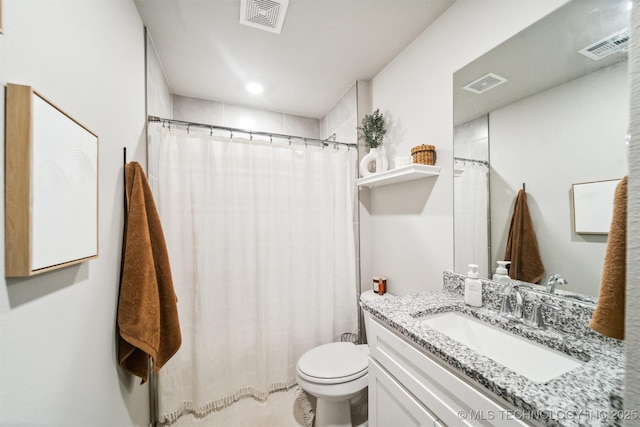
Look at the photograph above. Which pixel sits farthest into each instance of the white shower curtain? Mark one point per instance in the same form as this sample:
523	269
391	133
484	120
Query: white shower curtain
471	217
261	242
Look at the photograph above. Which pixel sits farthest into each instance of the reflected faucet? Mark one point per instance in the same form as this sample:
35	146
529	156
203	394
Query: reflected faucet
555	279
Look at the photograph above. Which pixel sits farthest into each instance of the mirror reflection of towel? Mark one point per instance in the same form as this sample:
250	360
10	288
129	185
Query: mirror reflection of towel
522	245
148	324
608	317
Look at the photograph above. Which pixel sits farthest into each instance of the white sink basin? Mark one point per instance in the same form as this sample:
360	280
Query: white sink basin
528	358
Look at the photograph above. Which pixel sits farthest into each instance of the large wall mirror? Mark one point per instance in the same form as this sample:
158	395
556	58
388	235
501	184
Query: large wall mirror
546	109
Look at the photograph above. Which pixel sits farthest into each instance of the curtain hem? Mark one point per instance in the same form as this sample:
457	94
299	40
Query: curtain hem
224	402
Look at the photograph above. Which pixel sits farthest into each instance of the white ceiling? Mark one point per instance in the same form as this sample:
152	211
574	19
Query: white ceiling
324	47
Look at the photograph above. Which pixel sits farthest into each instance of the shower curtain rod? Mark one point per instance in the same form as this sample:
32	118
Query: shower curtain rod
478	162
325	142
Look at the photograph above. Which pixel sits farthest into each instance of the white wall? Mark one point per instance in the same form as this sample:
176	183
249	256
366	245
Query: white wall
550	141
58	351
412	223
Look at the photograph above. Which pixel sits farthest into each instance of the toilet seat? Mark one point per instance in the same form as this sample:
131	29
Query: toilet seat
336	373
333	363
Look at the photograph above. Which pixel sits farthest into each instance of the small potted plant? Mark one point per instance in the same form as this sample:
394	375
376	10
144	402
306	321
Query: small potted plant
373	130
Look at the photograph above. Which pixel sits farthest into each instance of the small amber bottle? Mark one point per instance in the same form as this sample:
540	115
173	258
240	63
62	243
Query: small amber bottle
382	285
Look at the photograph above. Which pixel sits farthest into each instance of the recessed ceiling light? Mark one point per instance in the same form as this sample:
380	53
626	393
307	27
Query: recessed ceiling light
254	88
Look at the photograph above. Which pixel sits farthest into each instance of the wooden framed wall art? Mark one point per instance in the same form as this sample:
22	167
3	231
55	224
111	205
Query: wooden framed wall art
51	184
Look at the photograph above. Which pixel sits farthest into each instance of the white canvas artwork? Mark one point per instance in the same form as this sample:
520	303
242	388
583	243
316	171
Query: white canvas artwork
593	206
65	190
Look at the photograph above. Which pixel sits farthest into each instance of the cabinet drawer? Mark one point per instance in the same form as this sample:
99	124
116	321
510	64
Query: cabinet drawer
391	405
436	387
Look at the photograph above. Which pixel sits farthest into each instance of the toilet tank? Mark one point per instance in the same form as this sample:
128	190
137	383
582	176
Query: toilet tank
370	296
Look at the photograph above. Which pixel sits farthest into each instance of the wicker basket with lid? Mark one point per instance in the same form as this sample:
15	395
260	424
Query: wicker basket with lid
424	154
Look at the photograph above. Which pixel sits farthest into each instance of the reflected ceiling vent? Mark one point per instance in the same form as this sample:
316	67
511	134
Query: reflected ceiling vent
267	15
616	42
485	83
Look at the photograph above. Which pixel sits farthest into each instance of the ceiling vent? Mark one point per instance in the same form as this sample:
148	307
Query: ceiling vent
616	42
485	83
266	15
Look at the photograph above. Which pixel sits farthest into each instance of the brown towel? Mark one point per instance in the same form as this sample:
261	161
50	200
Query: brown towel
147	311
608	317
522	245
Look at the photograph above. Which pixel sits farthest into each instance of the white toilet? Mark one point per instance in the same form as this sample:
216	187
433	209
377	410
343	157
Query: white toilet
335	373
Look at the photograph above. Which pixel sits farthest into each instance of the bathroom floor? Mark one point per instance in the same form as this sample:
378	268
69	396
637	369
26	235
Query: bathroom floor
283	409
290	408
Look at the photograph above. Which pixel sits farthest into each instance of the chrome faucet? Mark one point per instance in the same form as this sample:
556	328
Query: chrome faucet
516	312
537	317
506	308
553	281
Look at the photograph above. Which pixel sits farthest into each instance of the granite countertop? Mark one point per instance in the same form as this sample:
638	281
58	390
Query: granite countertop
580	397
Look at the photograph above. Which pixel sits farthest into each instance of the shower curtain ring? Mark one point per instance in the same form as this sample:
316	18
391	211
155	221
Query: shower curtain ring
188	127
289	141
270	139
231	134
211	133
250	136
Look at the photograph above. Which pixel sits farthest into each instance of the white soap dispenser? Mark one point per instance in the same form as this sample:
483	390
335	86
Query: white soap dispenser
473	287
502	275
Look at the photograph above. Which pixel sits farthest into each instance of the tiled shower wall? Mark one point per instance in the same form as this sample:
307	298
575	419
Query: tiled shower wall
159	102
341	120
229	115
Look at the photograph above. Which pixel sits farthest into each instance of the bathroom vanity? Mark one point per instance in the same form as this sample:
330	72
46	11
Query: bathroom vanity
505	373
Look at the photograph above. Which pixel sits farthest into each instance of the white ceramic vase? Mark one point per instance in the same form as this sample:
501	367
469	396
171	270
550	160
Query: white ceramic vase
373	162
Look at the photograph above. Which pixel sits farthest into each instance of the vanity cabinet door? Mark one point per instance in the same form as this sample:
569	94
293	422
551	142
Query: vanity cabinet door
447	395
390	405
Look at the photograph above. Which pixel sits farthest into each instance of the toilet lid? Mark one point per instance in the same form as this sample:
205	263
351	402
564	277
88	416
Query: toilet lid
334	360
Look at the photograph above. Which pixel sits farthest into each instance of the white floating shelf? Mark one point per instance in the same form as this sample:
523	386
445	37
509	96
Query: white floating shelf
401	174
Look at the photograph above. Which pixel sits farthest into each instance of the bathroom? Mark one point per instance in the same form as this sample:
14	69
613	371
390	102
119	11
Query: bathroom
58	364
